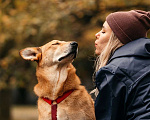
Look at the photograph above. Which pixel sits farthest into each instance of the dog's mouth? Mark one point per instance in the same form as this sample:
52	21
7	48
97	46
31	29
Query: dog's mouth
73	52
72	55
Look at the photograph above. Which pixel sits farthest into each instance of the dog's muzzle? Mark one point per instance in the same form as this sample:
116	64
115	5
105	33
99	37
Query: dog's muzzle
73	51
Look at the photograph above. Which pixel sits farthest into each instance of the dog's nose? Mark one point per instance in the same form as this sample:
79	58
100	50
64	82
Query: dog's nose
74	44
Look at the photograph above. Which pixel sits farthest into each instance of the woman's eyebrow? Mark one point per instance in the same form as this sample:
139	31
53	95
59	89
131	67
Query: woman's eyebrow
103	27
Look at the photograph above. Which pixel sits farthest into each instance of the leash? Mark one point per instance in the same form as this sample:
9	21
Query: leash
54	103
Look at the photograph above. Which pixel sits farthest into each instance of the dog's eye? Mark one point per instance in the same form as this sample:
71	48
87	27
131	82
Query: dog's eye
55	44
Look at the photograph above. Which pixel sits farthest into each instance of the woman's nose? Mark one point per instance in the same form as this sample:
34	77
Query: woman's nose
97	35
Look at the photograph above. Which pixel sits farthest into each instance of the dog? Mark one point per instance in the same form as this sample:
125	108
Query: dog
60	95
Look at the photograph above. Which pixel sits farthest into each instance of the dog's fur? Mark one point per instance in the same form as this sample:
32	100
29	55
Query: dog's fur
56	75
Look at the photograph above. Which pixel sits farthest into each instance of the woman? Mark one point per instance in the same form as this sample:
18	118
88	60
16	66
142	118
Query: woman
123	67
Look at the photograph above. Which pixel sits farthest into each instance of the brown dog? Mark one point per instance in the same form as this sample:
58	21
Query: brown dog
60	94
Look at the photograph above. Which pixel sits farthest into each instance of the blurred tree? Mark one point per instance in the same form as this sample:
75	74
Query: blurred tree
25	23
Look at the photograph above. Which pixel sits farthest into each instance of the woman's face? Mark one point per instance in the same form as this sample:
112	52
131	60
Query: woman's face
102	38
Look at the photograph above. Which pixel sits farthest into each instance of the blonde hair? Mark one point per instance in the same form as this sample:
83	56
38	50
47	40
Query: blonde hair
113	44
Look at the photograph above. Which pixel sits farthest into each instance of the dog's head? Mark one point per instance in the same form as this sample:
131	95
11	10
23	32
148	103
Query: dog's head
54	52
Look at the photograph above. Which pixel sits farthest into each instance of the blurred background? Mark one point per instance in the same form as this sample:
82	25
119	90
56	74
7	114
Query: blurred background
31	23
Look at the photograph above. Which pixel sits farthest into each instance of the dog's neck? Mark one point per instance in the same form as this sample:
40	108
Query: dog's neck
52	81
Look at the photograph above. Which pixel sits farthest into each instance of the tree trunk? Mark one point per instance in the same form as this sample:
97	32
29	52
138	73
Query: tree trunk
5	103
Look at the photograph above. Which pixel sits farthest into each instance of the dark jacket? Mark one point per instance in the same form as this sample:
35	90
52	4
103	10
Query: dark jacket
124	84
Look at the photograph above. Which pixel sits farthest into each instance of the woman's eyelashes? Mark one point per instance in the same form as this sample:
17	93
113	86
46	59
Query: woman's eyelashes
103	32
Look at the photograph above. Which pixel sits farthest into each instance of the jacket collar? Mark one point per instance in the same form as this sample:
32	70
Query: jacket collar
139	47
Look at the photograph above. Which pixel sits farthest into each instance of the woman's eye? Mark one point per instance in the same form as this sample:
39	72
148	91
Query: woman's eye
55	44
103	32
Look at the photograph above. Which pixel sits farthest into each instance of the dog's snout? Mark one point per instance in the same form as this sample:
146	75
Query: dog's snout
74	44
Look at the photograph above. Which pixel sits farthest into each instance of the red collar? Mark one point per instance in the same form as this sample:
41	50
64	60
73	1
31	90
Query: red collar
54	105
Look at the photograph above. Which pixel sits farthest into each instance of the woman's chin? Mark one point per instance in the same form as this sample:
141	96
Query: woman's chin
97	52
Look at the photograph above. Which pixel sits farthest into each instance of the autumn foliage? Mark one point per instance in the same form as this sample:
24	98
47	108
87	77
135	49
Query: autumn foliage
25	23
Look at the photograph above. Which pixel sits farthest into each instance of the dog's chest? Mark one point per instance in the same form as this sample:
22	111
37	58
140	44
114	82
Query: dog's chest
61	114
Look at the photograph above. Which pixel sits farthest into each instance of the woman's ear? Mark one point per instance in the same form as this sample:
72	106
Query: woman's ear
31	53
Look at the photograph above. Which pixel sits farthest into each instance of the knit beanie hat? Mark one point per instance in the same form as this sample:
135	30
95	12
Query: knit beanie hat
129	26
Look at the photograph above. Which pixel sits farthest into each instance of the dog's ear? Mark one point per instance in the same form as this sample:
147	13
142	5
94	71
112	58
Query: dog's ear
31	53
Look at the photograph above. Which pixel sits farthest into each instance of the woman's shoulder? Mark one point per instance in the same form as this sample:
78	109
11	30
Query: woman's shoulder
128	71
139	48
131	59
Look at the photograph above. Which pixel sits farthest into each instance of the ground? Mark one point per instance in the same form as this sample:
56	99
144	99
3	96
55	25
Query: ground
24	113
